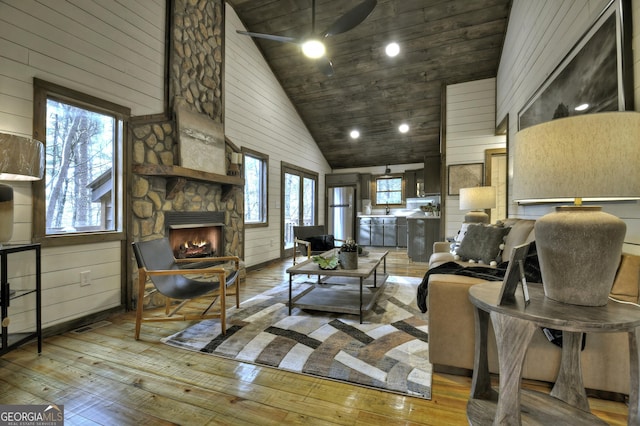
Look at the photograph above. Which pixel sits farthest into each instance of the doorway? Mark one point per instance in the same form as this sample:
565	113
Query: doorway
299	203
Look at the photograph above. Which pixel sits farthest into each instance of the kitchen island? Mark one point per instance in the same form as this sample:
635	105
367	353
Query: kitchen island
422	232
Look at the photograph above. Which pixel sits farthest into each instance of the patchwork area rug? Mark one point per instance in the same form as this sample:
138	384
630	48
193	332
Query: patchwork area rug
389	351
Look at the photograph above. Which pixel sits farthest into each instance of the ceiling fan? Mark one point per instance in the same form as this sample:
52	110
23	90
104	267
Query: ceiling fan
312	45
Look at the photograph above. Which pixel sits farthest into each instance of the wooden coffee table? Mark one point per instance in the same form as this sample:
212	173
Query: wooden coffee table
337	290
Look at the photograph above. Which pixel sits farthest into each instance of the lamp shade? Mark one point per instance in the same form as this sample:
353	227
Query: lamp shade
478	198
592	156
20	158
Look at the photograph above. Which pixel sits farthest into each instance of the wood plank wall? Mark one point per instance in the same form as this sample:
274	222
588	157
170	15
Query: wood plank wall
112	50
470	130
539	35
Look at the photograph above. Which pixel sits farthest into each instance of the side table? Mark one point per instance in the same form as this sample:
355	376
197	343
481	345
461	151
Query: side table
514	326
7	295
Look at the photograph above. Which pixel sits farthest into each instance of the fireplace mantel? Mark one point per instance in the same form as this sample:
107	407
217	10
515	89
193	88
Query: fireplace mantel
178	176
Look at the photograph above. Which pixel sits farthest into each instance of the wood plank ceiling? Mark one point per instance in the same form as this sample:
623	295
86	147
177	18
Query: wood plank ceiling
442	42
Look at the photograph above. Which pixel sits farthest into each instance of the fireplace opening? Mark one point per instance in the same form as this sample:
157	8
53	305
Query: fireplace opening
193	241
195	234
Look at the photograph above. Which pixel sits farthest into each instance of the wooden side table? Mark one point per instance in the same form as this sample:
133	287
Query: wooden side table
514	326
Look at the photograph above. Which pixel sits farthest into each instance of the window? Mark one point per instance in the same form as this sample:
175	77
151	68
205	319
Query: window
82	190
255	191
388	190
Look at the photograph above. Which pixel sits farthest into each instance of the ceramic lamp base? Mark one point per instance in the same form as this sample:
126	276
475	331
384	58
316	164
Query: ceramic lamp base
579	249
6	213
476	216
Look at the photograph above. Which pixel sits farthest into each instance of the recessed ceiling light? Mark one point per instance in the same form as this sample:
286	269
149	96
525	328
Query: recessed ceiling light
354	134
313	48
392	49
404	128
581	107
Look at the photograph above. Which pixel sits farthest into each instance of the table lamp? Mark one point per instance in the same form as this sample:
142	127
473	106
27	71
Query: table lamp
20	159
591	157
477	200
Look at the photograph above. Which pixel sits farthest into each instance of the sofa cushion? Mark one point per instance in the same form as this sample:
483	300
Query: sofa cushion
482	243
521	233
625	285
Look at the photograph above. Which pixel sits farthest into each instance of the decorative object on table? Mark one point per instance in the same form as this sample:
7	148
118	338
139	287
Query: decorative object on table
465	176
326	263
592	157
597	73
389	352
477	200
429	209
515	275
20	159
349	254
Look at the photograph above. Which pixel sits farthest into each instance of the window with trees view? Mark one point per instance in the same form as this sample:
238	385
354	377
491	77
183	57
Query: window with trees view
83	140
389	190
255	190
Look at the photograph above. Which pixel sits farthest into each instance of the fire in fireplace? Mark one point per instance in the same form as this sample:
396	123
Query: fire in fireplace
195	234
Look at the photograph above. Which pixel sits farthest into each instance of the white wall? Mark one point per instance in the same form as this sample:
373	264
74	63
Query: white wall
539	35
260	116
470	130
111	50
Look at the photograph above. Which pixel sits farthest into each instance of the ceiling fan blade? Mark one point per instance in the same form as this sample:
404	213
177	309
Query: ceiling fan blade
351	19
282	39
325	66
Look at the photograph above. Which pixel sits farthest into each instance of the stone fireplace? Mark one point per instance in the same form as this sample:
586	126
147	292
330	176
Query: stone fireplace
163	191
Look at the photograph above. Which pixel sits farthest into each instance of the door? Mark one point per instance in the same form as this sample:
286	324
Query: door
341	213
299	203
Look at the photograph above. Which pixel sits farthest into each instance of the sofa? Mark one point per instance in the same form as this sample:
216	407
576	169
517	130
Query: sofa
605	358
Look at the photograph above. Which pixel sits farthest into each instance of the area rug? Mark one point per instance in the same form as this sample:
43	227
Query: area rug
388	351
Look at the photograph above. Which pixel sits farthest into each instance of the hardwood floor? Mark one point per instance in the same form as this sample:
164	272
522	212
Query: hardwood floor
106	377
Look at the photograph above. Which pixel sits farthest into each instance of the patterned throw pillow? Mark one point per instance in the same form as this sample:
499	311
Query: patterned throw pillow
482	243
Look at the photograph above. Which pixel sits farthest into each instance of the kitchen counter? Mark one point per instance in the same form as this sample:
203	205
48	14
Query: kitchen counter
421	216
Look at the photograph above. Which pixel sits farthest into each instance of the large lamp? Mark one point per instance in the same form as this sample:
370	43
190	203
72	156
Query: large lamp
592	157
20	159
477	200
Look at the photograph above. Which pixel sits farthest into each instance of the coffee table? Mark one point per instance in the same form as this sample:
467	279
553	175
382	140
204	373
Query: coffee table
337	290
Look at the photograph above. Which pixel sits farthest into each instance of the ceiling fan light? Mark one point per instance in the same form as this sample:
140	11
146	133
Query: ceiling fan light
313	49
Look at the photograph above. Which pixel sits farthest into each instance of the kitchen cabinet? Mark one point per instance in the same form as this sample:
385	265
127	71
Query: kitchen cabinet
411	179
432	175
378	231
422	233
401	232
365	186
364	231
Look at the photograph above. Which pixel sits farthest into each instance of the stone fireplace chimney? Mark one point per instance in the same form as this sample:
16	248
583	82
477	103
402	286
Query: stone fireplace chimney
161	183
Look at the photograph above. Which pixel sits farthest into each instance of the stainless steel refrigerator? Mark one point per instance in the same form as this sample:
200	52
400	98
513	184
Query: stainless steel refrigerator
341	212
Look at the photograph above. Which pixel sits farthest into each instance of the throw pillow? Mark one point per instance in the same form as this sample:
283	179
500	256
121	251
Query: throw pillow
461	233
321	242
482	243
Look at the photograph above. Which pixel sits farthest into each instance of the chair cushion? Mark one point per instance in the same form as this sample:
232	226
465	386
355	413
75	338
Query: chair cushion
482	243
321	242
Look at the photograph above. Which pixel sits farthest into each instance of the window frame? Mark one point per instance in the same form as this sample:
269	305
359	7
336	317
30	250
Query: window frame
265	182
43	90
374	200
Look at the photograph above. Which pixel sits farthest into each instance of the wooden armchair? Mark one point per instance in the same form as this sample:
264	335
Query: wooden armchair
310	241
176	282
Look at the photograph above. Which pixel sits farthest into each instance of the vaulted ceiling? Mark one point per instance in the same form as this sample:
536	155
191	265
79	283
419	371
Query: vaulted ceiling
441	42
